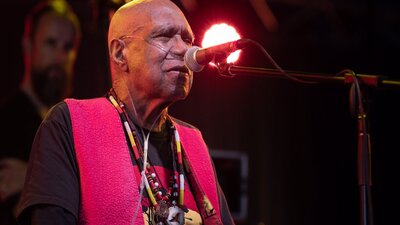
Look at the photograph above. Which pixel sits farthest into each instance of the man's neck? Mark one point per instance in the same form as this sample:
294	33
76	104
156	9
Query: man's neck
149	118
150	114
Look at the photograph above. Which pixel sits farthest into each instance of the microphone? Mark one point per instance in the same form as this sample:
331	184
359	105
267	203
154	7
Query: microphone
196	58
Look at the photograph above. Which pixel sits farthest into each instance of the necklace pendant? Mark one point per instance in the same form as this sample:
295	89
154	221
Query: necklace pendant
161	211
176	216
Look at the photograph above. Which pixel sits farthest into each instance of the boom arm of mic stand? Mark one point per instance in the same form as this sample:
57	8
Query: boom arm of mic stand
230	70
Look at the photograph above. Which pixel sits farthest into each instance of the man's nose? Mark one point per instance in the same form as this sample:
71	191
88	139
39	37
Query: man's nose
180	46
61	55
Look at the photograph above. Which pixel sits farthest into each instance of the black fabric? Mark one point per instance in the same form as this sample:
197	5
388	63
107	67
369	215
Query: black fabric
53	156
50	214
19	121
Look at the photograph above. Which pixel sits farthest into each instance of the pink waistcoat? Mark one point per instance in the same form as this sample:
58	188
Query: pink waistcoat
109	189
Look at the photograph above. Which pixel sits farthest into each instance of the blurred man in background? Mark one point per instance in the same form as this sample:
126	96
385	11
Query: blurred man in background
50	41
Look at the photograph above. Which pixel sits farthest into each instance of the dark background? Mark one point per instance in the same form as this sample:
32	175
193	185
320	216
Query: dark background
300	140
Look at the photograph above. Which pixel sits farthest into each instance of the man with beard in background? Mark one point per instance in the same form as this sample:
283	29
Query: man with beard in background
51	38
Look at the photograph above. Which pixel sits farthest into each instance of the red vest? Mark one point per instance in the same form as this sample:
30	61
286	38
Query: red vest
109	190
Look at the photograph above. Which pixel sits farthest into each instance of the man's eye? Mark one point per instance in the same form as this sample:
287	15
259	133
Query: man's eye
165	37
188	41
68	47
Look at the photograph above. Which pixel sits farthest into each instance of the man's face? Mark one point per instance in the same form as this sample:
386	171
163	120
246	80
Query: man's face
155	57
52	58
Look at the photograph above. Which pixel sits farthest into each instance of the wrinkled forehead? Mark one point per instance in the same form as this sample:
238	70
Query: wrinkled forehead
149	19
143	17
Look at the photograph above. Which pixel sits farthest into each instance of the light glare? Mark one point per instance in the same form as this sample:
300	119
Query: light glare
219	34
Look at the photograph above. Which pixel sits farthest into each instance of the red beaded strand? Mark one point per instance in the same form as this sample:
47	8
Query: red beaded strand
175	191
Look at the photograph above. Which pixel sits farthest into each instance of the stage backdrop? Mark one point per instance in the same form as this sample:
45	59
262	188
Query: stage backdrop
300	140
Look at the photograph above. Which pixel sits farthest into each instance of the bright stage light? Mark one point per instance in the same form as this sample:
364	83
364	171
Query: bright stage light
219	34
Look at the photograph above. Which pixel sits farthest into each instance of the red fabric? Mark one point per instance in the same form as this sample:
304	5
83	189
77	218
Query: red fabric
109	189
197	154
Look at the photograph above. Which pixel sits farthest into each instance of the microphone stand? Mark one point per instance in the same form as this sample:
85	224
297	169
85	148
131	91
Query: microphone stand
230	70
356	102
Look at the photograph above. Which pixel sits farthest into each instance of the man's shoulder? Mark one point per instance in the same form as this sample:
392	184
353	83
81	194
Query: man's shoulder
184	124
84	101
91	105
19	111
17	101
61	112
58	112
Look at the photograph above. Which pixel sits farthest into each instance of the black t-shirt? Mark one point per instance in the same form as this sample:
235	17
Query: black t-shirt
52	185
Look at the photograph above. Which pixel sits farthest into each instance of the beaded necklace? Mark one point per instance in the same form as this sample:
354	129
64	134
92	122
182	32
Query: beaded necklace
168	205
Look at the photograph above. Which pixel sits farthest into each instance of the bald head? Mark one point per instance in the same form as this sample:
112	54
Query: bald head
147	40
134	15
151	21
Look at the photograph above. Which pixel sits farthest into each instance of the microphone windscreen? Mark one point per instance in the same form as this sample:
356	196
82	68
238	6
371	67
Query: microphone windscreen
190	59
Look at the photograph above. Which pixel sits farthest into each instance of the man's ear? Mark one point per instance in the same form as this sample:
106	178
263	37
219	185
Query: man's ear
117	54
